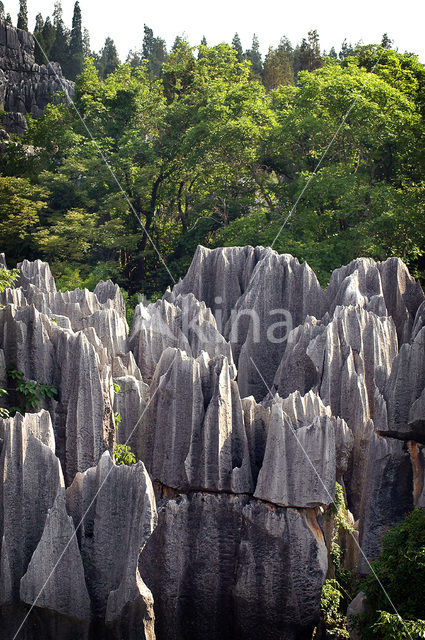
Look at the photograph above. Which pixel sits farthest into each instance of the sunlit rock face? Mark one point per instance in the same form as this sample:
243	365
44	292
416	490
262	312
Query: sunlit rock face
245	393
25	87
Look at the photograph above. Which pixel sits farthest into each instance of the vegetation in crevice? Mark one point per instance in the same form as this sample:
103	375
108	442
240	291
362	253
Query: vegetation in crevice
338	591
400	571
29	393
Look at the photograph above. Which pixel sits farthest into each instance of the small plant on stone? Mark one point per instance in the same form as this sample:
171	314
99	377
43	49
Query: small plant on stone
124	455
30	392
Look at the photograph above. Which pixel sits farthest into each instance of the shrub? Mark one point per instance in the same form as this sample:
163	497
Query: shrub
124	455
401	571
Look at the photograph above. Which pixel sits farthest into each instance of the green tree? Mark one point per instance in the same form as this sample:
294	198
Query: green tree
9	19
107	61
86	43
307	55
237	45
76	44
23	15
40	45
347	49
277	69
367	196
154	53
60	47
255	58
2	14
49	36
20	206
148	43
386	41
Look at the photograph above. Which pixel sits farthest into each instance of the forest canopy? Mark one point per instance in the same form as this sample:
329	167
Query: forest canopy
209	145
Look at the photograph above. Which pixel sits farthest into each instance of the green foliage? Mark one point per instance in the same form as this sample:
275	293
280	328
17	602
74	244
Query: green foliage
338	510
277	68
23	15
107	61
76	44
20	206
401	570
337	592
117	419
30	393
331	606
124	455
4	413
7	278
393	627
207	154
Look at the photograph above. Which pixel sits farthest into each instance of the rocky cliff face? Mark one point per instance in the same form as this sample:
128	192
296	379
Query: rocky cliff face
245	393
25	87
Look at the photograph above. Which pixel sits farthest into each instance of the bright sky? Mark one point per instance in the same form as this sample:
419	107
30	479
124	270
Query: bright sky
364	20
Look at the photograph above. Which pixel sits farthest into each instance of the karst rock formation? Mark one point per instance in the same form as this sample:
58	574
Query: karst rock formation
245	393
25	87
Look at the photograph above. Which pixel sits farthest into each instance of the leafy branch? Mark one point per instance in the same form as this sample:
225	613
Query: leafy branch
31	393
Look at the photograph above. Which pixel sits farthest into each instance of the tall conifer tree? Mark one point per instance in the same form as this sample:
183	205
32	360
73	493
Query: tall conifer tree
60	48
23	15
108	60
254	56
40	45
76	44
237	45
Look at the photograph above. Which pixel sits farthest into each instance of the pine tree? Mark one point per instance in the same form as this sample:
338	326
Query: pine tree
86	43
60	48
49	35
332	53
2	15
346	50
108	60
254	56
40	45
277	69
159	56
203	43
177	42
307	56
154	53
286	46
134	58
148	43
386	42
76	44
237	45
9	19
23	15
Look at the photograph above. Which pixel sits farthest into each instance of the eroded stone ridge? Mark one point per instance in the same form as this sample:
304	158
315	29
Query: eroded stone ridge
241	425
